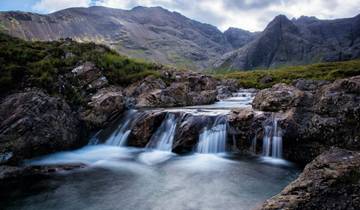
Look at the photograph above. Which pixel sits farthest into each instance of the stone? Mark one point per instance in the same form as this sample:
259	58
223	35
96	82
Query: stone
331	181
104	106
33	123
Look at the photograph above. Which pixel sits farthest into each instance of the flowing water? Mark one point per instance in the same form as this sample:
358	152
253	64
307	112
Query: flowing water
117	178
213	139
154	178
272	141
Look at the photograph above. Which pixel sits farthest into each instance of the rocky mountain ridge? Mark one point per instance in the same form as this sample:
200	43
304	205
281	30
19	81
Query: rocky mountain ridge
167	37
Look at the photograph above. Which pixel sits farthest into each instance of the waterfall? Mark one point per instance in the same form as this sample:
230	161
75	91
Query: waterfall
120	135
213	140
163	138
272	140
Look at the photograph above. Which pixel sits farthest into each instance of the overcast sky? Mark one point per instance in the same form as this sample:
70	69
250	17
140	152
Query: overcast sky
251	15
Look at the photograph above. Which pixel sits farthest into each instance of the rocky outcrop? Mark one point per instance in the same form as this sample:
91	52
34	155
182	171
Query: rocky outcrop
89	77
245	125
331	181
279	97
313	121
33	123
181	89
104	106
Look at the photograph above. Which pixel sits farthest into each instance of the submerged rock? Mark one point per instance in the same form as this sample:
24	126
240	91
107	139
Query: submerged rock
33	123
331	181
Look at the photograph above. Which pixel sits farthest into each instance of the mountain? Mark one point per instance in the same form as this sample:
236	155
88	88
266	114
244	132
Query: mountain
299	41
156	34
149	33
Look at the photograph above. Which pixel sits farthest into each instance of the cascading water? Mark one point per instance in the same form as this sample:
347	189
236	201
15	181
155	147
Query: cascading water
272	141
213	140
164	136
120	135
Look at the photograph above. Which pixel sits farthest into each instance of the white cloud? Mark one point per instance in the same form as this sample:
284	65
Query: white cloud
252	15
47	6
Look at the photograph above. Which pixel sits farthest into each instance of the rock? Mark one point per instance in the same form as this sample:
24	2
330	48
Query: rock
145	126
89	75
226	88
279	97
245	125
331	181
188	131
309	85
186	89
18	177
329	116
266	80
33	123
104	106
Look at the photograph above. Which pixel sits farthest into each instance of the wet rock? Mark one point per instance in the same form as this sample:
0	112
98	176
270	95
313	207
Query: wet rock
144	127
188	131
33	123
245	125
331	181
327	117
104	106
279	97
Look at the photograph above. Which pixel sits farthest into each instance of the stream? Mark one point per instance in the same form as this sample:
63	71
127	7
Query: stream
121	177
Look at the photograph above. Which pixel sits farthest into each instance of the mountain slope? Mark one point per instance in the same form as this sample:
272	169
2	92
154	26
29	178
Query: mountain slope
150	33
298	41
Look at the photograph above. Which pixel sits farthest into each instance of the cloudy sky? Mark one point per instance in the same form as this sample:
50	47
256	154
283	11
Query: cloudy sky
252	15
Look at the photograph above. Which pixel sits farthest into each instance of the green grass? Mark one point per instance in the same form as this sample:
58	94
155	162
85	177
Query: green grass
46	65
321	71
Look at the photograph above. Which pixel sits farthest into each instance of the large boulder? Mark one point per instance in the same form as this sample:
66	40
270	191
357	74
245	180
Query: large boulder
33	123
331	181
279	97
104	106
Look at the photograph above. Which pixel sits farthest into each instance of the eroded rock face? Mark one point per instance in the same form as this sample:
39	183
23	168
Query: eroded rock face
33	123
184	89
317	118
145	126
279	97
104	106
89	76
331	181
245	125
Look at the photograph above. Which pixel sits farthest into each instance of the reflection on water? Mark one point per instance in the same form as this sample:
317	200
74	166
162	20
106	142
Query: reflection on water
128	178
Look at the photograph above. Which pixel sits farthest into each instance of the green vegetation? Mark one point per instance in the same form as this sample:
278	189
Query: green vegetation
321	71
46	65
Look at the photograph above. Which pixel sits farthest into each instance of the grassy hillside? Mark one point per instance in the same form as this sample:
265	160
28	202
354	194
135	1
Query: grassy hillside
44	64
321	71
